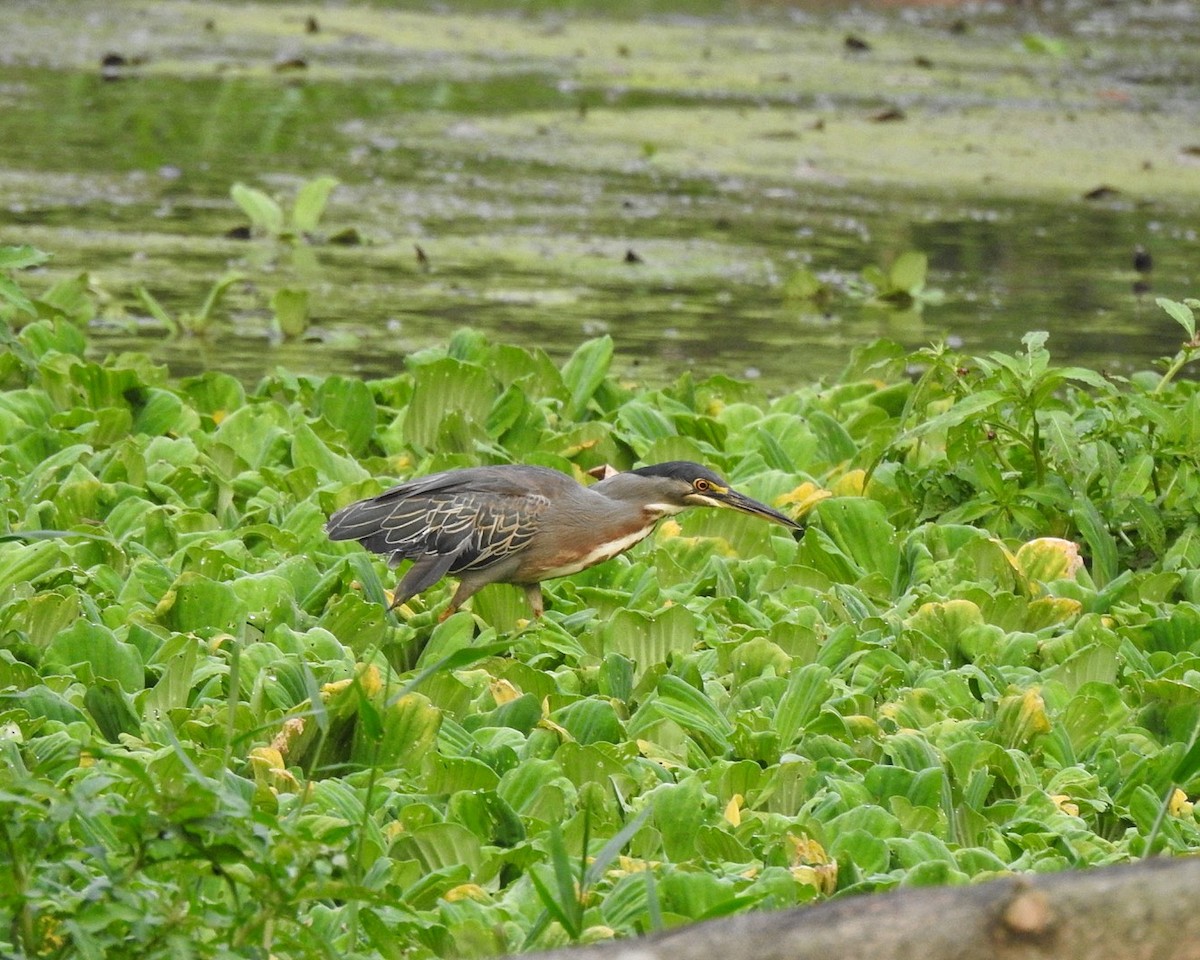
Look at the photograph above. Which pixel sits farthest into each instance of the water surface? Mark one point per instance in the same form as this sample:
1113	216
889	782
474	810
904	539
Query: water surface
571	170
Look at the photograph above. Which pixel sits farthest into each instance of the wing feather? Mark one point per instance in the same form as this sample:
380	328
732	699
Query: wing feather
477	517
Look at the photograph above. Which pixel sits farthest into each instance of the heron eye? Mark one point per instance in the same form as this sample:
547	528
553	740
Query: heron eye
701	484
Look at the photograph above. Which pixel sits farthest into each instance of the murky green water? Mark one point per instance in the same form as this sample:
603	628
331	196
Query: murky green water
532	156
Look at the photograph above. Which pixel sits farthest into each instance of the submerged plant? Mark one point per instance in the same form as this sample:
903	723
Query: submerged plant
188	322
267	216
902	284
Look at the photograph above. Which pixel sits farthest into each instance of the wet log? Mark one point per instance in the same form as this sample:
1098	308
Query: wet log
1136	911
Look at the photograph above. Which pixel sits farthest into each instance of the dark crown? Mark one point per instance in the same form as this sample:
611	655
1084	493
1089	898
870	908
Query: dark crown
683	470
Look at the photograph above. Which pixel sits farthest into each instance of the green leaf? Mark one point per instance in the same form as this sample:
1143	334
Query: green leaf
612	849
112	710
443	845
1084	375
408	732
443	388
678	812
1040	43
803	284
908	271
348	404
649	638
96	647
255	432
22	257
837	446
27	563
179	656
808	689
1181	313
215	294
861	530
198	603
310	203
1189	764
693	711
590	720
584	372
962	411
310	450
1095	532
12	293
264	213
157	310
291	311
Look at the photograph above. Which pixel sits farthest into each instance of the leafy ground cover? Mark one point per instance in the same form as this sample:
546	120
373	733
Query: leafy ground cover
983	656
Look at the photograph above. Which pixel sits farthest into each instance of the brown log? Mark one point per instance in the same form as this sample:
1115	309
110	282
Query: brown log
1135	911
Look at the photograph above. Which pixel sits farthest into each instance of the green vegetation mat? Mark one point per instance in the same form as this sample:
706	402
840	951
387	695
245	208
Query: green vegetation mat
216	743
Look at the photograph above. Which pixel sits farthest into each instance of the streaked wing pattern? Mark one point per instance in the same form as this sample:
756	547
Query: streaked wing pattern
421	518
500	528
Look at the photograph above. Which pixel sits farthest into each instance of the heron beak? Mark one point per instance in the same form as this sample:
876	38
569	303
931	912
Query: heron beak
743	504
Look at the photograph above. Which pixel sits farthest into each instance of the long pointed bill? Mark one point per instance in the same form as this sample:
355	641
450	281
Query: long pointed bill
740	502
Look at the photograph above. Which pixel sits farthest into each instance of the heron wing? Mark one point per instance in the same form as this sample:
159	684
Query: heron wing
467	519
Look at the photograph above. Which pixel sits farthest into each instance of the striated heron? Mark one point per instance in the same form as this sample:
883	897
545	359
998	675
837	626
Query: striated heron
521	524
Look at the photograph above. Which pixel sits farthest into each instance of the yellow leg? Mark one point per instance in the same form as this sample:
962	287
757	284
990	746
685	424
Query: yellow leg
533	593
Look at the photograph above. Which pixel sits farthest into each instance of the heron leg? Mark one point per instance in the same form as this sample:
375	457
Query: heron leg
533	594
466	589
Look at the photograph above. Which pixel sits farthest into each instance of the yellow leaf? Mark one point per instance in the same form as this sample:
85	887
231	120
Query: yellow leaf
669	528
292	728
733	810
1033	711
1063	802
370	680
266	757
392	829
811	865
627	864
851	484
466	891
218	640
804	496
547	724
1049	558
806	850
1179	805
1031	718
503	692
597	933
823	878
269	770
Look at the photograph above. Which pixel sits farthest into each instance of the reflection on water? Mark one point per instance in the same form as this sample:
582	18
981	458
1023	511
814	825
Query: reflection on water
129	180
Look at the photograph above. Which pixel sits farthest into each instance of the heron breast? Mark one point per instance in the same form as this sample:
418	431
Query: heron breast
564	563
